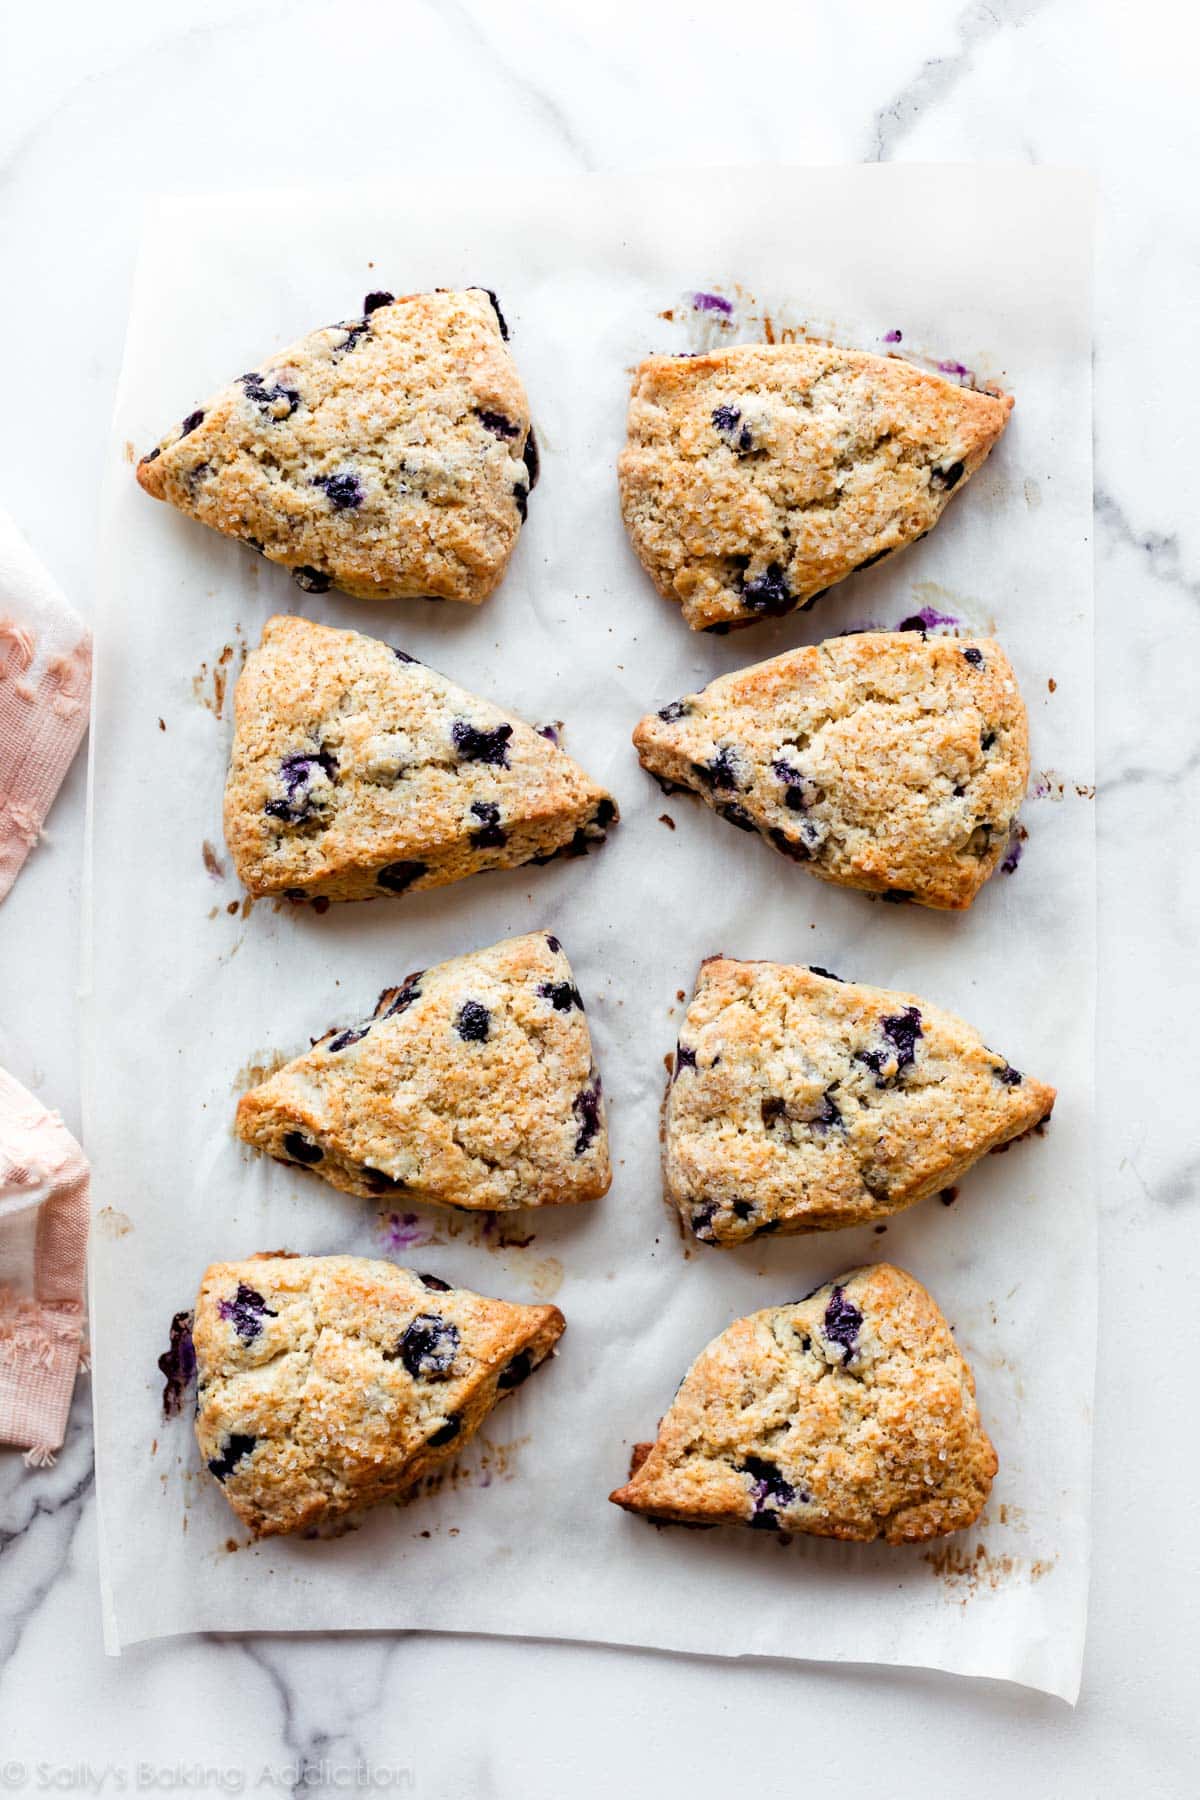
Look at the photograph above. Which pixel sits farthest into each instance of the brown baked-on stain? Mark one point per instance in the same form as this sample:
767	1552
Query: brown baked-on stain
667	820
212	861
251	1073
210	686
486	1462
1052	685
637	1457
966	1573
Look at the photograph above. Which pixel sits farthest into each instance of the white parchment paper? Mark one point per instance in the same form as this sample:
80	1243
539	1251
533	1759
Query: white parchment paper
189	991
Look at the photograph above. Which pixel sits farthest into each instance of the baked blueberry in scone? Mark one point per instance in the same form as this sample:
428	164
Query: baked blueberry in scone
848	1414
799	1102
329	1383
356	772
885	761
753	478
471	1085
390	455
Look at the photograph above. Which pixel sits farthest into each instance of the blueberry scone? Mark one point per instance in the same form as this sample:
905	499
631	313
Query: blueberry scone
885	761
329	1383
471	1085
387	456
848	1414
799	1102
753	478
356	771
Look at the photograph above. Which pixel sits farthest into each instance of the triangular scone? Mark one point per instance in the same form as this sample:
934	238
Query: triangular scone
471	1085
849	1414
800	1102
328	1383
754	478
356	771
885	761
387	456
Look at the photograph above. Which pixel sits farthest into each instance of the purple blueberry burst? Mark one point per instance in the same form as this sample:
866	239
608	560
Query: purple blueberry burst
474	744
473	1022
721	770
246	1312
342	1040
178	1364
973	656
302	1150
398	876
768	592
488	833
373	301
701	1221
312	581
942	480
497	423
297	774
428	1347
515	1372
830	1113
237	1445
768	1491
344	490
532	459
562	995
190	423
267	398
396	1000
728	422
842	1323
685	1058
901	1031
797	784
586	1108
673	710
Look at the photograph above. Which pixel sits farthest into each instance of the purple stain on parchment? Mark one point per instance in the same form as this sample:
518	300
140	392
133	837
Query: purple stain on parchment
928	619
401	1230
892	337
952	367
712	303
1015	851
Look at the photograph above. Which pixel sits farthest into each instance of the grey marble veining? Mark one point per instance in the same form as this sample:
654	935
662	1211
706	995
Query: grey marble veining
99	105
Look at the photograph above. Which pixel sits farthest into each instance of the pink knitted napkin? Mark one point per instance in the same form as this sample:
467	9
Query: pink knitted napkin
45	682
43	1253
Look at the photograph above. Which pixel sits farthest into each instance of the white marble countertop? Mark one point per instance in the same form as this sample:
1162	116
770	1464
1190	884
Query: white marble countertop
100	106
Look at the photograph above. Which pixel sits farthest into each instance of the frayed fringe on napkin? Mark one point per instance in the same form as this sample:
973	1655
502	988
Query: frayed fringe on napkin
42	1169
45	687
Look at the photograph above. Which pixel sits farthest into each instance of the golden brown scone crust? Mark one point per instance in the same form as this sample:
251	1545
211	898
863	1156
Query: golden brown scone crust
800	1102
383	456
472	1085
885	761
358	772
753	478
329	1383
850	1414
